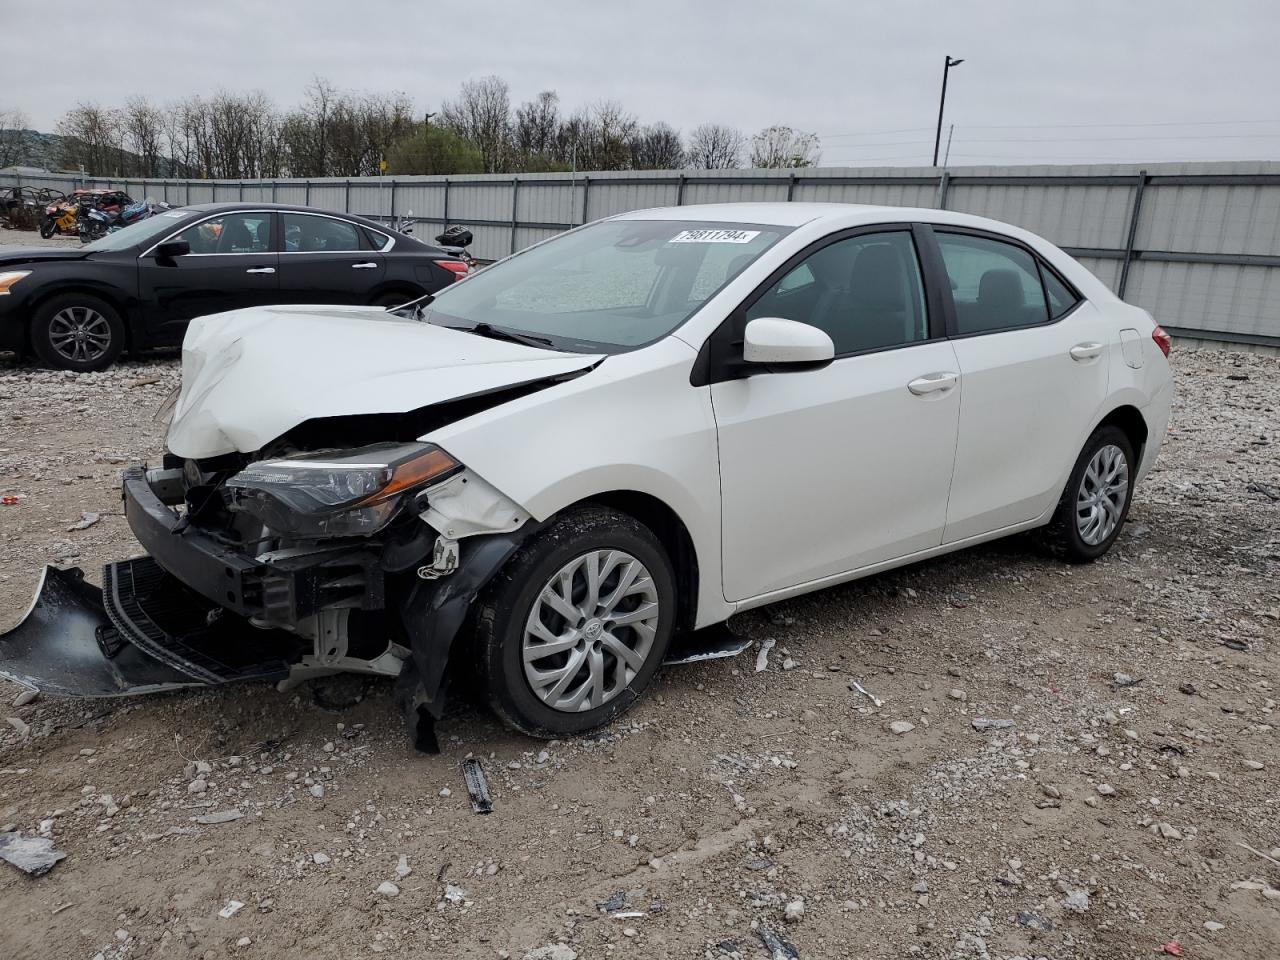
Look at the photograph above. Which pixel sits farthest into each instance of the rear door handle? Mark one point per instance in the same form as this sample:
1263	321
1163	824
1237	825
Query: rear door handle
364	266
933	383
1086	351
261	270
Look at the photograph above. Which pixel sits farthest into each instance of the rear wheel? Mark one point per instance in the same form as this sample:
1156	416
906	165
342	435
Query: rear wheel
1096	499
77	331
573	629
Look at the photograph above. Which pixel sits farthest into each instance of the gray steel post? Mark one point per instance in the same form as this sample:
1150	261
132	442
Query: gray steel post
791	187
1138	186
586	197
515	195
944	184
680	191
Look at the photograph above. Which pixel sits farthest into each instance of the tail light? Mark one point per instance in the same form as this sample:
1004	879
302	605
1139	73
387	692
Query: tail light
456	267
1162	339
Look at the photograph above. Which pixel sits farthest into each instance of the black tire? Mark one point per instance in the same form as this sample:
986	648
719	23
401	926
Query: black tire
504	609
47	229
99	356
1062	536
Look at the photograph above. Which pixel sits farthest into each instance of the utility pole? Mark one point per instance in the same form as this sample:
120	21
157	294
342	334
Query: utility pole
426	119
942	102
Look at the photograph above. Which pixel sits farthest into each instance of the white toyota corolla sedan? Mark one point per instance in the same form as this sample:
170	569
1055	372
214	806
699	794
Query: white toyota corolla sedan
561	471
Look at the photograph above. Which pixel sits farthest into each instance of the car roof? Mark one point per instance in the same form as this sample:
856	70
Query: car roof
795	214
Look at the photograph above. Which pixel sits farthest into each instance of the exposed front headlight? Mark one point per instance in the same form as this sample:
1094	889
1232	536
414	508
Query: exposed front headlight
9	277
338	493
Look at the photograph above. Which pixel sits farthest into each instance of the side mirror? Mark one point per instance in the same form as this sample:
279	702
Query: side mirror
171	249
775	341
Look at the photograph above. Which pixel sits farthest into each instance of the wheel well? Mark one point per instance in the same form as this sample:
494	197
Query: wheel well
406	290
674	536
1129	419
106	298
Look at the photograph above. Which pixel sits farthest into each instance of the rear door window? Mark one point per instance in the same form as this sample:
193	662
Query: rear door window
995	285
307	234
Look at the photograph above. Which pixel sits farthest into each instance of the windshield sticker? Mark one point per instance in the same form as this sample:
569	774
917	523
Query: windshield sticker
715	236
176	214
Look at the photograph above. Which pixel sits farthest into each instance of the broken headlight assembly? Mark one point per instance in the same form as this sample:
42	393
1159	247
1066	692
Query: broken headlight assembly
347	493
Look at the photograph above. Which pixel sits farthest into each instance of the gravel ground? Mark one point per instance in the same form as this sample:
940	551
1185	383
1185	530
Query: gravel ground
1105	819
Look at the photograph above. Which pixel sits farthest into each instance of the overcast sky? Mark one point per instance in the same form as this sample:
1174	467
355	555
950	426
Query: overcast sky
1071	82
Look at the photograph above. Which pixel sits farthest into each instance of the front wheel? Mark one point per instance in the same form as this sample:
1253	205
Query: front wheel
77	331
47	229
1096	499
573	629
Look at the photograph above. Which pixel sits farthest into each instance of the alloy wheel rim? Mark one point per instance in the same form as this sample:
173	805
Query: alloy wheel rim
1101	497
591	630
80	334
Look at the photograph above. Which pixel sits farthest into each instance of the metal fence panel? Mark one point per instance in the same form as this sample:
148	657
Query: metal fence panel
1202	252
1211	219
1210	298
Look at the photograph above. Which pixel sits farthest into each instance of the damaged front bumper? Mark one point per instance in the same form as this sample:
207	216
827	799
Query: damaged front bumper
198	610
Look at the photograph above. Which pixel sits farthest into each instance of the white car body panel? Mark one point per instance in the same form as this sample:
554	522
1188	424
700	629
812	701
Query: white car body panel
818	475
785	482
250	375
1026	409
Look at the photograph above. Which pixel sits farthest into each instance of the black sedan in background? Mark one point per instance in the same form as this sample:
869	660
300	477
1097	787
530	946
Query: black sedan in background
140	286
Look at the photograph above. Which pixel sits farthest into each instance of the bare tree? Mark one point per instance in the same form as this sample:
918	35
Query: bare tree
713	146
92	136
143	132
13	136
482	114
779	146
657	147
536	124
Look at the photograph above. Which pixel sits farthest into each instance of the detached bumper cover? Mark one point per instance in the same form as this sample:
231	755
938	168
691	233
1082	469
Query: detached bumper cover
62	646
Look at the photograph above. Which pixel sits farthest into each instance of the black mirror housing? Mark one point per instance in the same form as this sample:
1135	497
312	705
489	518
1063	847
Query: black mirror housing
171	249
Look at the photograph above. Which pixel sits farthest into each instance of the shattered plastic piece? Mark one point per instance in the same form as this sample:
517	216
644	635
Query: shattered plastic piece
477	786
855	685
982	723
230	910
615	902
762	658
9	500
226	816
454	893
34	855
1124	680
1033	920
1172	948
86	521
778	948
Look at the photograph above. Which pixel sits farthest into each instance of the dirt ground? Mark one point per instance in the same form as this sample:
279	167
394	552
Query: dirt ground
1107	820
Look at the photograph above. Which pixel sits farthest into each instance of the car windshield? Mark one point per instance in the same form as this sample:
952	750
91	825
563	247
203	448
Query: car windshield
611	285
142	232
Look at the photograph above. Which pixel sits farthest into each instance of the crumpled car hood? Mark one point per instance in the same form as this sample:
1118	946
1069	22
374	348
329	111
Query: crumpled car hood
249	376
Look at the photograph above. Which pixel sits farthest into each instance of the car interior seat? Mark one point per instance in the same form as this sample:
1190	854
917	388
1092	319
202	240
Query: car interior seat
881	314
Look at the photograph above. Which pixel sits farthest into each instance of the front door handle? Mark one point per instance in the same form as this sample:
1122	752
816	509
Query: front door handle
933	383
1086	351
261	270
364	266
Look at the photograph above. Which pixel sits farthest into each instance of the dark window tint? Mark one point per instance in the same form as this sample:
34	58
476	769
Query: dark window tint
307	234
995	285
865	292
1061	299
376	240
234	233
